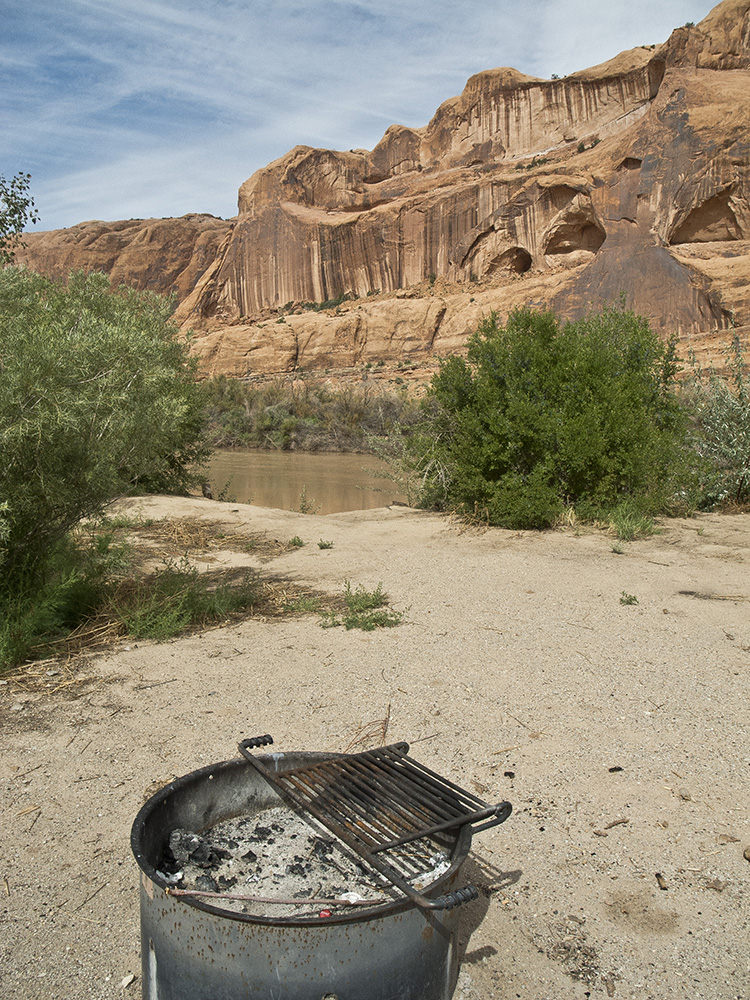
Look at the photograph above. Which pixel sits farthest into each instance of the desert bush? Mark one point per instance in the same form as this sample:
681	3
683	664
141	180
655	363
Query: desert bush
292	413
16	211
78	572
719	405
363	609
540	417
97	399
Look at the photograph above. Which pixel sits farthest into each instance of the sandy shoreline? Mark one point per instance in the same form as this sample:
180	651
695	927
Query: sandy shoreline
517	658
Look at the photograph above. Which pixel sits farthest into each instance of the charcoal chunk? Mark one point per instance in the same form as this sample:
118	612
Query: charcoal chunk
206	884
297	869
323	849
186	845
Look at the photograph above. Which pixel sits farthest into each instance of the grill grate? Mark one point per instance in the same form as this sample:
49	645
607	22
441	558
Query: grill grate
394	812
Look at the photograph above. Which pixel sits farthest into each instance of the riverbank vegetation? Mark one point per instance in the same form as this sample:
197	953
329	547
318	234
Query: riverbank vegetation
544	423
540	424
98	399
305	413
125	577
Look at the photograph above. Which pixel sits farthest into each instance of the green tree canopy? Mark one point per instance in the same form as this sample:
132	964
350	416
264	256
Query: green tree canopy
16	210
539	417
97	399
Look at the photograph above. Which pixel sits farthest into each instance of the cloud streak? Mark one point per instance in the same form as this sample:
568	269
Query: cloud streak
122	108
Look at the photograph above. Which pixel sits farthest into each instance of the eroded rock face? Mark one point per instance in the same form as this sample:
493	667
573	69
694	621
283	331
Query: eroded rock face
167	256
628	179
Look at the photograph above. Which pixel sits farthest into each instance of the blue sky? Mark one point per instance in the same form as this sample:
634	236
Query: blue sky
135	108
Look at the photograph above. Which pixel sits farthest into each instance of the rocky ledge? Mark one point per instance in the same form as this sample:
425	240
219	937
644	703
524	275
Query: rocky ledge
630	179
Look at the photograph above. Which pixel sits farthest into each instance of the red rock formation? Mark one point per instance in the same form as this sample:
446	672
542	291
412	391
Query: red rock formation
628	179
168	256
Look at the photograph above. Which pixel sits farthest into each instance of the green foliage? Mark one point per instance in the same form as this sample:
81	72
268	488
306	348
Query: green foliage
16	211
325	545
362	599
97	399
721	409
177	599
293	413
79	569
296	542
90	585
364	609
536	161
626	598
541	417
629	523
329	303
307	505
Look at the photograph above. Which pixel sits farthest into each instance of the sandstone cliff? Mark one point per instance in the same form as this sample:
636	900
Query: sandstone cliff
631	178
167	256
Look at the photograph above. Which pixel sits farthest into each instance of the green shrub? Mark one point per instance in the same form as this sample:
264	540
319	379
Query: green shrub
79	569
720	406
176	599
629	523
97	399
16	211
307	505
541	417
364	609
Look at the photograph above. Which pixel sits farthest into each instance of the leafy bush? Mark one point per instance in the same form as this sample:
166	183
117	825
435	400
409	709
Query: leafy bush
79	570
721	409
16	210
97	399
541	417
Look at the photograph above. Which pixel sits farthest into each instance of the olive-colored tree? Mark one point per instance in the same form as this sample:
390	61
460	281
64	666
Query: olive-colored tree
98	398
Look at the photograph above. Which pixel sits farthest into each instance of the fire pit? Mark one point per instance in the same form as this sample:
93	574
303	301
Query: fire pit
390	837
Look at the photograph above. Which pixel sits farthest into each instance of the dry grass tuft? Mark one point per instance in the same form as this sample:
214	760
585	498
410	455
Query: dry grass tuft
371	734
53	675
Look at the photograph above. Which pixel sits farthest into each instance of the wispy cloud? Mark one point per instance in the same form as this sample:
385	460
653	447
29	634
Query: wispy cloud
123	108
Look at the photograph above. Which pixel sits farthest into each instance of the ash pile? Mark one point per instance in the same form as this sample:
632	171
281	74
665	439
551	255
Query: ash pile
275	864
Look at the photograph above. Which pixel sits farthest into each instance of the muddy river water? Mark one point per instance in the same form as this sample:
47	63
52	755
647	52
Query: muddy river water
329	482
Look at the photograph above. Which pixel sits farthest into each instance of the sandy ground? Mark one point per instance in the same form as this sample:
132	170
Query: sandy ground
618	731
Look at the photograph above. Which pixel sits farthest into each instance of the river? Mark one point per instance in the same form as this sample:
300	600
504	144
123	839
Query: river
330	481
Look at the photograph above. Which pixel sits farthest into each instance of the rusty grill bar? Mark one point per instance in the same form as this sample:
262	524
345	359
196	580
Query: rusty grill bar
388	808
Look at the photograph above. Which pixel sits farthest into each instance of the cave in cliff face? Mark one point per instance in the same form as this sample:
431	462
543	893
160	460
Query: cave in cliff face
716	219
575	233
514	260
576	226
